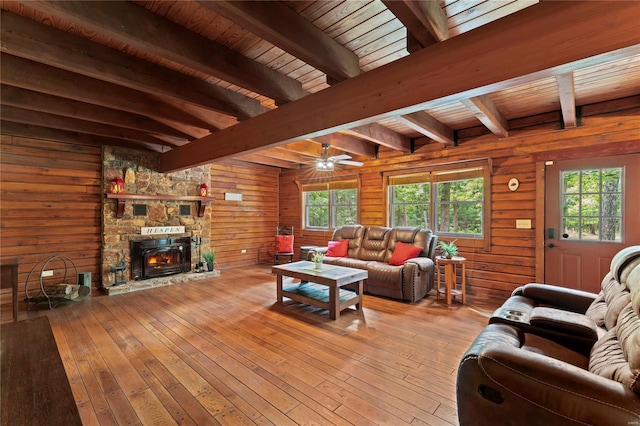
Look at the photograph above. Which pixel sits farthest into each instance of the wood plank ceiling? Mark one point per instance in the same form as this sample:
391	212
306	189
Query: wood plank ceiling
158	75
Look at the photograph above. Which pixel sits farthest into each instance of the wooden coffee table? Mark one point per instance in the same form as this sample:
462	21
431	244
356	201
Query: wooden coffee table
320	287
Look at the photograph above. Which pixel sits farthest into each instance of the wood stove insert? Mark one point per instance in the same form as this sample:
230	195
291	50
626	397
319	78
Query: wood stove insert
160	257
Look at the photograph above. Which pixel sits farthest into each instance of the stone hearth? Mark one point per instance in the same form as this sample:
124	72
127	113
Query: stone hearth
159	282
138	170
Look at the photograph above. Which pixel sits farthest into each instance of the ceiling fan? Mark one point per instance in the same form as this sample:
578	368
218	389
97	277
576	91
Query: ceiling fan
326	163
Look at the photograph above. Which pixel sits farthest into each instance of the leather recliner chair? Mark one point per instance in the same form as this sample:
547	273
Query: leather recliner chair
570	362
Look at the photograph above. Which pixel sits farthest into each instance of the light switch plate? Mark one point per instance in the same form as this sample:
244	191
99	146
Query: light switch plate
523	223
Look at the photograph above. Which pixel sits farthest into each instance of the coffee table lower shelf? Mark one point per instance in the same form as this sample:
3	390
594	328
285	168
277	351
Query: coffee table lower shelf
318	295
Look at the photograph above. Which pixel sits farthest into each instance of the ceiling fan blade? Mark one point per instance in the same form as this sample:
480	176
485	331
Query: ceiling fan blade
340	157
350	163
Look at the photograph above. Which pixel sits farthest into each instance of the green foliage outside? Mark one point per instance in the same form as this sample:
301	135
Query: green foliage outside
341	203
592	204
457	208
410	205
345	207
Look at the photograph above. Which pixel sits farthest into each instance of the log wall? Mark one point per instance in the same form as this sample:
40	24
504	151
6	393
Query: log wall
249	224
610	128
50	204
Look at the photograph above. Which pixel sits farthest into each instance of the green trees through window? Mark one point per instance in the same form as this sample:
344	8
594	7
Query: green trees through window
410	205
337	207
456	208
459	206
592	204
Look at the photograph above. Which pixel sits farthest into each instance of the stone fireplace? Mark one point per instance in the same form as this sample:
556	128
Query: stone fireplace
163	259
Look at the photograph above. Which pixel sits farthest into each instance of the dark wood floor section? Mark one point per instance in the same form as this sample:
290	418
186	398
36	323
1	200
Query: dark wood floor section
221	351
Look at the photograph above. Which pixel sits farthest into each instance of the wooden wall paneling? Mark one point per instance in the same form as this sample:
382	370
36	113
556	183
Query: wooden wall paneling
50	203
248	224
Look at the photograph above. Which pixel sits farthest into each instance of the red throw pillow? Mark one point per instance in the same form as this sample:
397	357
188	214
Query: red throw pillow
284	243
403	252
338	248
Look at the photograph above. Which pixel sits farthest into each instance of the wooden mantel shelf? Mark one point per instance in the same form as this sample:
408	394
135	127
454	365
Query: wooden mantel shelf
121	199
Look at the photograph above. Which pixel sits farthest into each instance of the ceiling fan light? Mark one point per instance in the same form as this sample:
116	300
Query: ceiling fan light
323	165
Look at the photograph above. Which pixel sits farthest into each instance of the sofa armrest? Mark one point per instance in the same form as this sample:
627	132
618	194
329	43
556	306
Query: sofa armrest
315	250
568	322
417	278
423	263
559	297
497	379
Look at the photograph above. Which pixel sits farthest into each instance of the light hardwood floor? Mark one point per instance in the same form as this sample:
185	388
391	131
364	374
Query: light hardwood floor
221	351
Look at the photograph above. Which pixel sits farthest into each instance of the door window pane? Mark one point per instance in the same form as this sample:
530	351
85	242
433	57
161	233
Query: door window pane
592	204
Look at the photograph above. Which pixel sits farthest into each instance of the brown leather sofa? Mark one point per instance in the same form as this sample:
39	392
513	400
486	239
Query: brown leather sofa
555	356
371	248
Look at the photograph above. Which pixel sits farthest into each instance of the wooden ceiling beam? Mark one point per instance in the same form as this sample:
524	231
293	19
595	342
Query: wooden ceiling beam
41	43
424	20
268	161
307	148
348	143
422	122
144	30
488	114
279	152
567	95
381	135
18	72
280	25
24	116
34	101
45	133
459	68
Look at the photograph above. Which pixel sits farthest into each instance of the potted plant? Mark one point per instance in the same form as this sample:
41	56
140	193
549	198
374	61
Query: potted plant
317	258
448	249
209	257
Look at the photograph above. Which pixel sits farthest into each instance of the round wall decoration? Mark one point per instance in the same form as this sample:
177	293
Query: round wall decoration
514	184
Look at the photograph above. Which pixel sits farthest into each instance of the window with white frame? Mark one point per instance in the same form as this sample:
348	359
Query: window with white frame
329	205
450	202
592	204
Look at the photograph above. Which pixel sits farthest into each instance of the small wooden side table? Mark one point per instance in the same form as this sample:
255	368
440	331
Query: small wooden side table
450	289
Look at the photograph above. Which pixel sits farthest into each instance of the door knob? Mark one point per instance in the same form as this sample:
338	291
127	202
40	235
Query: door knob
551	245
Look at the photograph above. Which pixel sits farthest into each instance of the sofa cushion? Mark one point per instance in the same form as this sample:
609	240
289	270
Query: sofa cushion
382	274
633	283
403	252
564	321
628	332
624	262
354	234
614	308
607	360
346	261
374	244
597	310
338	248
